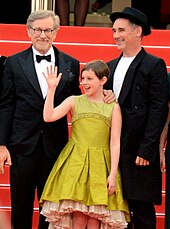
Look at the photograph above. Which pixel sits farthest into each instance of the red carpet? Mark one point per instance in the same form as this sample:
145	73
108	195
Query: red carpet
85	44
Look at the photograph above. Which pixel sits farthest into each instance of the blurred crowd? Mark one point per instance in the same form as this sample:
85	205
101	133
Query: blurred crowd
158	18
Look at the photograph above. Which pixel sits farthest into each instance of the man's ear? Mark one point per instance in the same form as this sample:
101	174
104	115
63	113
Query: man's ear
139	30
29	32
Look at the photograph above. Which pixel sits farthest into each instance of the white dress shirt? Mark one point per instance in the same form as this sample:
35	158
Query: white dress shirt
42	67
120	73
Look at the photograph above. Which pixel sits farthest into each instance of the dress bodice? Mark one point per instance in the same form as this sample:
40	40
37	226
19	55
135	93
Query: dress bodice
91	122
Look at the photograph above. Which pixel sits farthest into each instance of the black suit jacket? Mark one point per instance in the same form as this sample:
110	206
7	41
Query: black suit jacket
144	104
21	104
2	62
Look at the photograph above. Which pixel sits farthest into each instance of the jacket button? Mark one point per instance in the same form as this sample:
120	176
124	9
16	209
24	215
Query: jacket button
137	88
42	131
136	107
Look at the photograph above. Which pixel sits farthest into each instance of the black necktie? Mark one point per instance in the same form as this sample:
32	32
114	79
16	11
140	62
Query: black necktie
40	58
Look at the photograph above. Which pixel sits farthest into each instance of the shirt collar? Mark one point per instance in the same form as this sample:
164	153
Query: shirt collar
50	52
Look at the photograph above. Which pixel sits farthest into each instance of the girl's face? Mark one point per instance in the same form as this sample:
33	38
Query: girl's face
91	83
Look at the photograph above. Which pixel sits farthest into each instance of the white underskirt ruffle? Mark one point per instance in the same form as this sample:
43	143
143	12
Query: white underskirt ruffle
59	214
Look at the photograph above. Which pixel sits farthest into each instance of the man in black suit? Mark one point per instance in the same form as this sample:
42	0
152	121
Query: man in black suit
26	141
139	81
33	144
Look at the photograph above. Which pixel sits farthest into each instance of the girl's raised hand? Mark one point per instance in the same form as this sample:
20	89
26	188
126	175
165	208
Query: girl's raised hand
51	76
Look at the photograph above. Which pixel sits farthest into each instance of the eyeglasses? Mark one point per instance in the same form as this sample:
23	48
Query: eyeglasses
38	31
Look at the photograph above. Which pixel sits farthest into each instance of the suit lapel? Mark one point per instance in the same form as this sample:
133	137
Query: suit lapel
28	68
130	75
64	67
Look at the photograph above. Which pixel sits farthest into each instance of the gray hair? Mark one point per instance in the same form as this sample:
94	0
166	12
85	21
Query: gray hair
134	26
41	14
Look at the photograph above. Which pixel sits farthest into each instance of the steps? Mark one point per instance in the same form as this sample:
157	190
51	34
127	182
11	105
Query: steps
85	44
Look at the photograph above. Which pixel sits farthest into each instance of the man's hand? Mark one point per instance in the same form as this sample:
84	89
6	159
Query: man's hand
4	157
141	162
109	96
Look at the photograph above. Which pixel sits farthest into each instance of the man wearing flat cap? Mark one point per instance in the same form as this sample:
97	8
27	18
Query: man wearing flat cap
139	81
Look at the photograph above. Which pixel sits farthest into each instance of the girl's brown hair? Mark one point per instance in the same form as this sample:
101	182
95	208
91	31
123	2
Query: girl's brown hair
99	67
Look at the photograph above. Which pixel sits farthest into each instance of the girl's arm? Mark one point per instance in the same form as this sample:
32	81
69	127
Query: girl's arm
114	147
50	113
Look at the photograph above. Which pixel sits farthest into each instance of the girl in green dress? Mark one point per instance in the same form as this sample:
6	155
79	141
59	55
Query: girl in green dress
84	189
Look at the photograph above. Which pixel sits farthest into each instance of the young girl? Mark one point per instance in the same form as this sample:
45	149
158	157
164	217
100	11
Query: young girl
84	187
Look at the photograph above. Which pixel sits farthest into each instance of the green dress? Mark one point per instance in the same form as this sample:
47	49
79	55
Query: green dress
77	181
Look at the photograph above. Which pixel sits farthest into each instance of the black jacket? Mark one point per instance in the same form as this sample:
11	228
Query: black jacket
144	104
21	104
